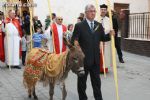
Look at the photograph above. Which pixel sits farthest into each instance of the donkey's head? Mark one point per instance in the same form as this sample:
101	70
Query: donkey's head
75	59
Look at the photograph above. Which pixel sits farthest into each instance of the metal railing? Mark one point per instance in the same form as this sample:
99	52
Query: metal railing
139	25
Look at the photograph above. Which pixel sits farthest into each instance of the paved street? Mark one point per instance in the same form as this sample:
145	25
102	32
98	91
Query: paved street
133	76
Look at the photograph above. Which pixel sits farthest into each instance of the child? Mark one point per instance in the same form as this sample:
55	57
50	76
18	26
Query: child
38	37
69	32
24	48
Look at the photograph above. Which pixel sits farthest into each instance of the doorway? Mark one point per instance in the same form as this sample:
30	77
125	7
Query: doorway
119	6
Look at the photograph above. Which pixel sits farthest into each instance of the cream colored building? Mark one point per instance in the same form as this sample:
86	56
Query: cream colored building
70	9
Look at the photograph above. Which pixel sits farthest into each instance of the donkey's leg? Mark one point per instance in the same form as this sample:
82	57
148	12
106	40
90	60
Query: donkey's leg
51	89
34	94
64	92
29	93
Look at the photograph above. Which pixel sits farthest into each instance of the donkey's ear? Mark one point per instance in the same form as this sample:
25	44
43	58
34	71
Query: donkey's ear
67	42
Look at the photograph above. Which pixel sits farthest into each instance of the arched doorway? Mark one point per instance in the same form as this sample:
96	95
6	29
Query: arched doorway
23	7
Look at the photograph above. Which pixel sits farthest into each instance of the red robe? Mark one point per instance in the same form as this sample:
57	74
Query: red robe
56	38
17	25
102	62
2	54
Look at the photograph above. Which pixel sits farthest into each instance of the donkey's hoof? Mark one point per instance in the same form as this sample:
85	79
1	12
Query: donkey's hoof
35	98
50	99
29	96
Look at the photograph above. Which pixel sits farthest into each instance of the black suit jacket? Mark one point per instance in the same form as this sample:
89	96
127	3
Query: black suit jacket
89	41
115	24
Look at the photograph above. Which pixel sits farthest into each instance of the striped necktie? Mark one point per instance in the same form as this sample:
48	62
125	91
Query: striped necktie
92	26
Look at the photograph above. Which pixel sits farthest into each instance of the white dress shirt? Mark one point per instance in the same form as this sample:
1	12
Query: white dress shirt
60	36
89	23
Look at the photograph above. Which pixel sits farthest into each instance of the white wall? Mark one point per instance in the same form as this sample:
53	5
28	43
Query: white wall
70	9
141	6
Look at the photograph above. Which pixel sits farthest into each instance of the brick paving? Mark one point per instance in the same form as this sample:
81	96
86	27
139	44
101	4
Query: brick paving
133	76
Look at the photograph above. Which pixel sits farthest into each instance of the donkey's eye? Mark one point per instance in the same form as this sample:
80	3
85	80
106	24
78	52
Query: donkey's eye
75	60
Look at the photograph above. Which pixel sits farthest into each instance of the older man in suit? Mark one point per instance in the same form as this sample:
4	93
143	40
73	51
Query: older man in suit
87	35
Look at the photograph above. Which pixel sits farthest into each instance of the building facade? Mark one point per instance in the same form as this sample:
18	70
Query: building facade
70	9
136	25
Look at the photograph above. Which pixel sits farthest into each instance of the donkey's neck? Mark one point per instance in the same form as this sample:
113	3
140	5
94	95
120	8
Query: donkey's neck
67	68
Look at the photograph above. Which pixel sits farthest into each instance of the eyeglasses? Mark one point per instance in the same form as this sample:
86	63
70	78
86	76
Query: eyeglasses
91	11
60	19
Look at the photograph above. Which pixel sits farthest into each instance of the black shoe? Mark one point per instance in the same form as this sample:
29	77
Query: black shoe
8	66
17	67
121	61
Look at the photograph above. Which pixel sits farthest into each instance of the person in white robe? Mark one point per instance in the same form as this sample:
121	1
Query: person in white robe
12	42
105	21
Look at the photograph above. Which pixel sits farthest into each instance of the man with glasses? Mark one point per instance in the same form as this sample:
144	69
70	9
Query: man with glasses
58	30
87	36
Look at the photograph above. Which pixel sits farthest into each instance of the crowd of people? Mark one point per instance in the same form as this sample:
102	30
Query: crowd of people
20	40
86	34
22	23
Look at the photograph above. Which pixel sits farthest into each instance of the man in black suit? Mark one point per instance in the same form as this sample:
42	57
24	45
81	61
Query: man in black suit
117	39
87	36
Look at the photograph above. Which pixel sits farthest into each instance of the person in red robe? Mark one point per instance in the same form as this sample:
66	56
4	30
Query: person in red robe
12	40
103	68
2	54
16	23
59	31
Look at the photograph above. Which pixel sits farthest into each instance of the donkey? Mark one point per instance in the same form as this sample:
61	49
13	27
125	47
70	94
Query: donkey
74	63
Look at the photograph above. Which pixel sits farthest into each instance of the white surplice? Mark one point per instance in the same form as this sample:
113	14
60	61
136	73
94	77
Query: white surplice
105	21
12	45
60	36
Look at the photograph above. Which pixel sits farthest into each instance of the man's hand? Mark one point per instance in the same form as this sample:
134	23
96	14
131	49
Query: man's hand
112	32
76	43
64	35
